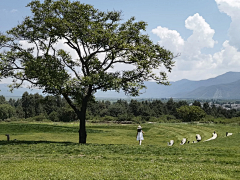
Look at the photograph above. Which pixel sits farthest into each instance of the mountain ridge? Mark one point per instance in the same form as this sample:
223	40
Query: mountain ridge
225	86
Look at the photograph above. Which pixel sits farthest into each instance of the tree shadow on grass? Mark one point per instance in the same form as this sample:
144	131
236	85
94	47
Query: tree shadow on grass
19	142
63	143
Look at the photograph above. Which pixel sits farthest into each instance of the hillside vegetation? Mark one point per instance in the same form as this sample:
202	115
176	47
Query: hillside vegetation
35	107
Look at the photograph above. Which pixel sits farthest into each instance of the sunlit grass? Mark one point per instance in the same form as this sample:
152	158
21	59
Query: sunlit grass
51	151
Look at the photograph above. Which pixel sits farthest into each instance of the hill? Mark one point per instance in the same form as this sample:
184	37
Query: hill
225	86
221	91
17	93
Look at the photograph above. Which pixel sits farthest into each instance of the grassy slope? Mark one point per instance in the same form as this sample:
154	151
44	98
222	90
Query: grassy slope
50	151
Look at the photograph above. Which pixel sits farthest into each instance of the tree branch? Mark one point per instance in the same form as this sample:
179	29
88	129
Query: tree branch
70	103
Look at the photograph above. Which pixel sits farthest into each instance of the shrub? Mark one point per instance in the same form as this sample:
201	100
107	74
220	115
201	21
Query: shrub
108	118
167	119
6	111
153	119
138	119
12	119
67	114
207	119
40	117
123	117
53	116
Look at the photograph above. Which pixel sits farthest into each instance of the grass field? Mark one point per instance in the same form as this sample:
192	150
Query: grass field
51	151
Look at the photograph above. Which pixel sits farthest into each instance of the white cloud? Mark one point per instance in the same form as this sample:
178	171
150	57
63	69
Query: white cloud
170	39
205	66
232	9
228	57
193	64
191	59
6	81
13	10
201	37
9	11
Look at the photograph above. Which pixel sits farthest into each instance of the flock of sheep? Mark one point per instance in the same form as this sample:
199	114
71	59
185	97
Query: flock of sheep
198	138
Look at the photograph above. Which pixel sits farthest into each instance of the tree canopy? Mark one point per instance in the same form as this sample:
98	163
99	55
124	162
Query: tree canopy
191	113
40	50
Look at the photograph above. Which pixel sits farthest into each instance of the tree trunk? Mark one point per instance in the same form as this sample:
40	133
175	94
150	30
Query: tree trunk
82	129
81	116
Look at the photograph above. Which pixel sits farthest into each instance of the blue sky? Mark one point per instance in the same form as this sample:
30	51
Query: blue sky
204	32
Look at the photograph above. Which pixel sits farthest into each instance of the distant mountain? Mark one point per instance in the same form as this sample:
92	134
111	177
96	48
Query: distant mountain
183	88
221	91
5	91
198	86
225	86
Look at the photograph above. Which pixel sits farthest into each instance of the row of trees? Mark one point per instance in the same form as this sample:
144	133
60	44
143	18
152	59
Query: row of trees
55	108
122	110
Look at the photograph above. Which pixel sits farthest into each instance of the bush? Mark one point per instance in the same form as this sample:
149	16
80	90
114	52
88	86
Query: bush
168	119
124	117
104	113
153	119
67	114
108	118
12	119
138	119
145	118
6	111
40	117
53	116
226	120
207	119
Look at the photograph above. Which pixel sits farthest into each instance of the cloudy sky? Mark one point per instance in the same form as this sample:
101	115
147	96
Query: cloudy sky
204	32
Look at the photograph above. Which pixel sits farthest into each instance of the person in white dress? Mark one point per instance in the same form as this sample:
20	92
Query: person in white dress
140	134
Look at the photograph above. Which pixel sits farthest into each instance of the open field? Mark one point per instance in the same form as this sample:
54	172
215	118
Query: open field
51	151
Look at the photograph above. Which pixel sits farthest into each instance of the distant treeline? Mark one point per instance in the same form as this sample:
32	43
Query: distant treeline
54	108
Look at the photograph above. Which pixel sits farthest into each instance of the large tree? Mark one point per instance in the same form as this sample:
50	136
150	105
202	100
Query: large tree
100	40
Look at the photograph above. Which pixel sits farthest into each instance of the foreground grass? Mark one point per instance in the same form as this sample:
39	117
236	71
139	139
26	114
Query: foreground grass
51	151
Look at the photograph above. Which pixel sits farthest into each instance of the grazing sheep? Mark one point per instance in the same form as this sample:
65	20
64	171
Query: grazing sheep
170	143
183	141
198	137
228	134
214	136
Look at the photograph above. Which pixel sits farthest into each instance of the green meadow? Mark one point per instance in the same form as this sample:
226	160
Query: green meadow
51	151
